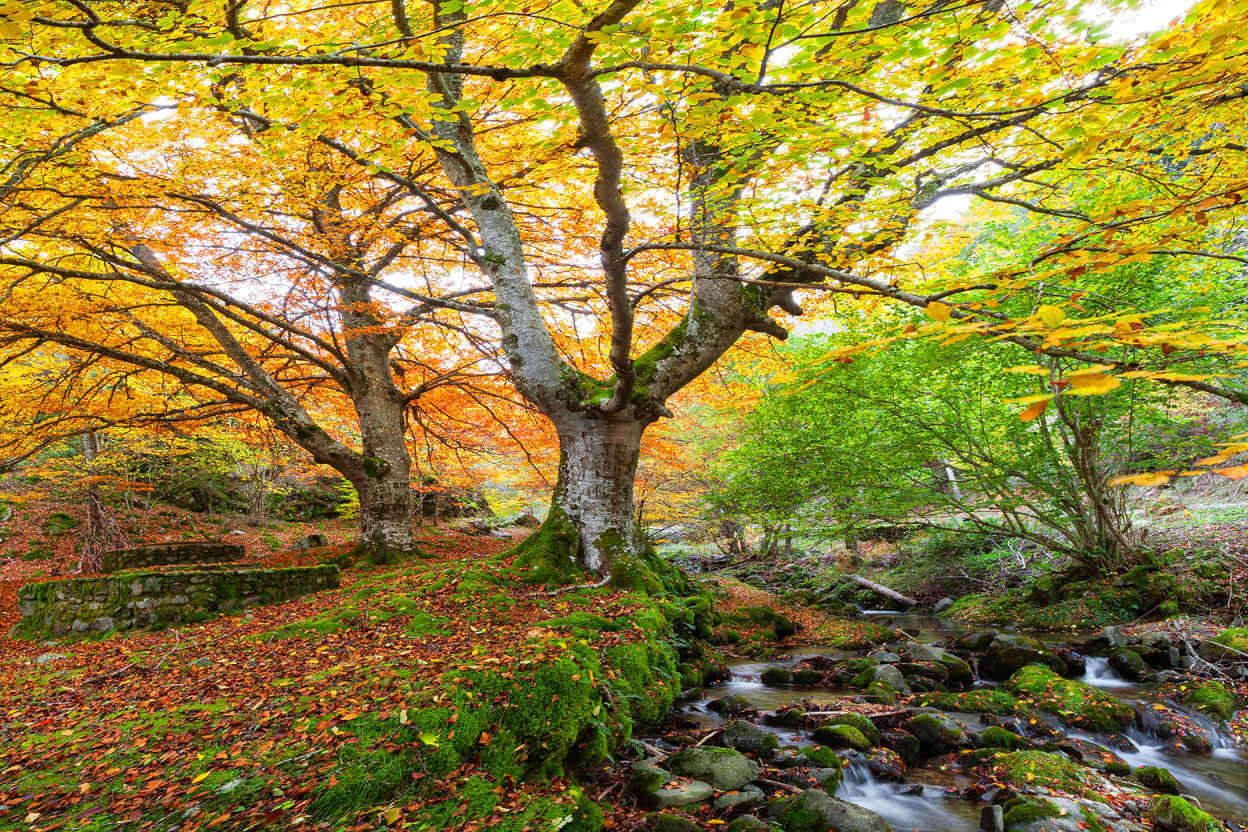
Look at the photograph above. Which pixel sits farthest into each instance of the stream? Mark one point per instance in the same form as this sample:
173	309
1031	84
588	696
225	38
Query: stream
928	800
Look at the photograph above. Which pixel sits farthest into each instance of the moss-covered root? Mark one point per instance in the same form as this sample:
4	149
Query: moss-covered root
551	555
1174	814
377	554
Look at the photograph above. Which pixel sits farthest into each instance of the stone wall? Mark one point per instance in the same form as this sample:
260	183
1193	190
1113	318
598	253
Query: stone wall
164	554
159	599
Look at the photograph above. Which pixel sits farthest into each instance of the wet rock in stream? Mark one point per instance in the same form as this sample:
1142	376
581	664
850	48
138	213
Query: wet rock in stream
816	811
723	768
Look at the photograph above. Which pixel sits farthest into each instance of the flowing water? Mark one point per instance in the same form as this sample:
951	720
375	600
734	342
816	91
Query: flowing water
1219	780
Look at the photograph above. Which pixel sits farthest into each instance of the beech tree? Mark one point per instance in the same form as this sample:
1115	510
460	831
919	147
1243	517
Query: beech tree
638	185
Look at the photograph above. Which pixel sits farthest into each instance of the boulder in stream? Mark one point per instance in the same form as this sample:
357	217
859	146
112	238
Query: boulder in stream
891	676
842	736
738	799
862	723
750	823
937	733
1170	813
814	810
730	705
1157	779
906	745
1129	664
1009	653
724	768
777	676
659	822
748	737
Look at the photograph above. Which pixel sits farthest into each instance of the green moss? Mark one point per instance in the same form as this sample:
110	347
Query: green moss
982	701
1175	813
881	692
1074	702
476	799
865	726
777	676
1235	638
1213	698
583	620
375	468
843	736
822	755
1041	769
1157	779
58	523
996	737
1021	811
549	555
427	624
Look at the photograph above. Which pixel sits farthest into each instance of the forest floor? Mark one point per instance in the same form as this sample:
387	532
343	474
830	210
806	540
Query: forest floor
442	693
348	709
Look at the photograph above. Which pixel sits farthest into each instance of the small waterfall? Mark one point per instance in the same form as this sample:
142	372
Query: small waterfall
1100	675
925	810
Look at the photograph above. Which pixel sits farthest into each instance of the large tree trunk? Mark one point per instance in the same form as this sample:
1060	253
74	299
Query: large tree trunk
592	524
384	481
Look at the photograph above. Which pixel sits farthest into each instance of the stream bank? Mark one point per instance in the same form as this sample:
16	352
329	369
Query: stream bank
938	727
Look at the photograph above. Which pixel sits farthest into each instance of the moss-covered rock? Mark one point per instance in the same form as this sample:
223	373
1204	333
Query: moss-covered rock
668	822
814	810
1213	698
1074	702
820	755
842	736
807	676
881	692
1157	779
776	676
750	823
723	768
1041	769
1008	653
749	738
937	734
866	726
997	737
1023	811
1128	663
1174	814
981	701
906	745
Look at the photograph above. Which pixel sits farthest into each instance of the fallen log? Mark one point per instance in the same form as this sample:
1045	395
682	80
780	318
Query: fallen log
880	589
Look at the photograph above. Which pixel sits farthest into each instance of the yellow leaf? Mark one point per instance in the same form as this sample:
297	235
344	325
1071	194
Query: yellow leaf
392	814
938	311
1091	384
199	777
1051	315
1033	411
1146	480
1039	397
1236	473
1029	369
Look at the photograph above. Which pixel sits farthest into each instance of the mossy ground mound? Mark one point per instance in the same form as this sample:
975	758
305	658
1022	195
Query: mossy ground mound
439	693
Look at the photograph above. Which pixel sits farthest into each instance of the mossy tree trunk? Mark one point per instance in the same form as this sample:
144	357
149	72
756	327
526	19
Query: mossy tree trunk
592	522
382	475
